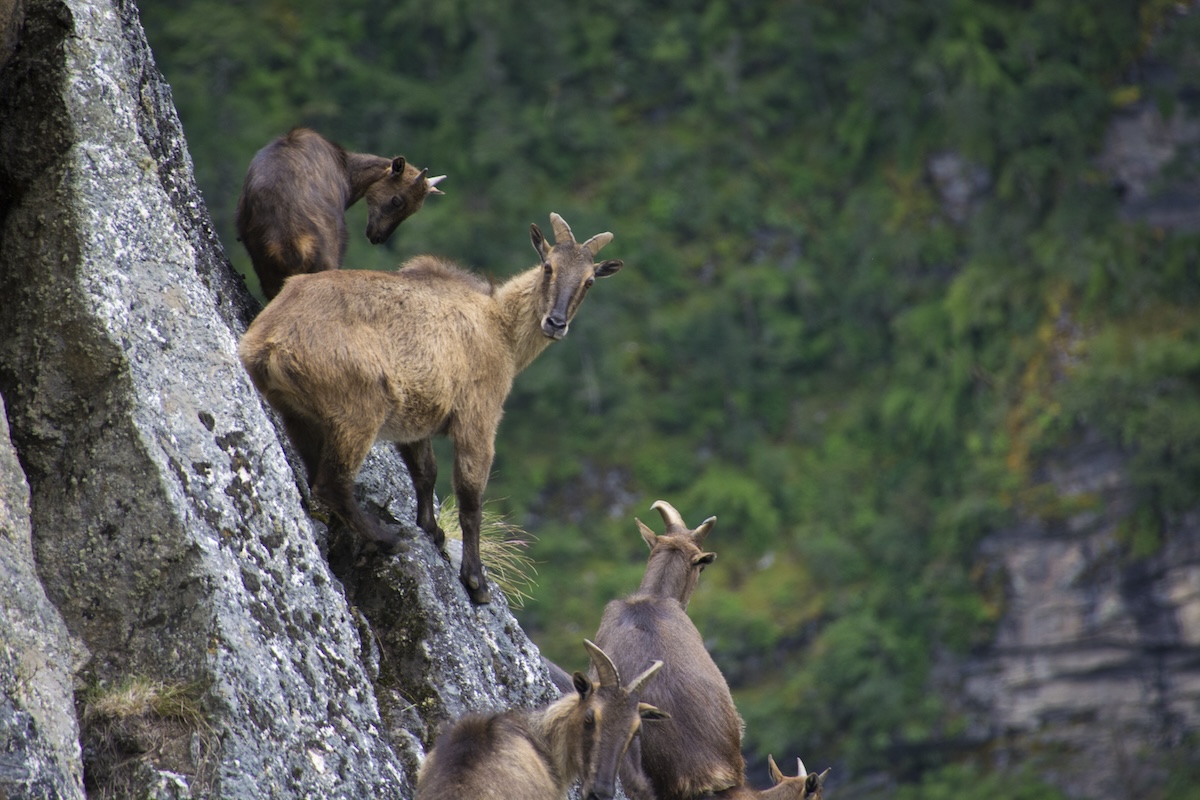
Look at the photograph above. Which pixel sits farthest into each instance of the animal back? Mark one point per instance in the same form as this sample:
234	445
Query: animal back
699	750
433	270
291	212
487	757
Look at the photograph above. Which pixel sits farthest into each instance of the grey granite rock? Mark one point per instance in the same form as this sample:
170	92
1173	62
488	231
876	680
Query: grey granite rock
39	739
167	523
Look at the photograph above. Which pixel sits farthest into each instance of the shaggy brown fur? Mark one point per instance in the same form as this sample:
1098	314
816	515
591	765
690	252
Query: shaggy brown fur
805	786
700	751
291	212
351	357
538	754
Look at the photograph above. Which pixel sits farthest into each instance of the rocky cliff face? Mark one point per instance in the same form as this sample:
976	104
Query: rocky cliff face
1094	675
163	579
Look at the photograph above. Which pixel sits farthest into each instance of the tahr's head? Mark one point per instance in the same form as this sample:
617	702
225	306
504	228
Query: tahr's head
568	270
396	196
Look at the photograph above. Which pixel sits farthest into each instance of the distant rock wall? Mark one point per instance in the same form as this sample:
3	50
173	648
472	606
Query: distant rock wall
1094	674
1093	678
165	520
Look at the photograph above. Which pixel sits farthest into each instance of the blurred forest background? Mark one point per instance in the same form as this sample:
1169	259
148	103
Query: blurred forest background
873	273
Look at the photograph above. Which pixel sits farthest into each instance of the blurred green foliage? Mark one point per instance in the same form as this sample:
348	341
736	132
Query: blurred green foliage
808	340
957	781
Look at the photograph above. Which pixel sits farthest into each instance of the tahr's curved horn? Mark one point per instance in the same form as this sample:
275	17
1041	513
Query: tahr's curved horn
637	683
605	669
669	514
562	231
702	532
594	244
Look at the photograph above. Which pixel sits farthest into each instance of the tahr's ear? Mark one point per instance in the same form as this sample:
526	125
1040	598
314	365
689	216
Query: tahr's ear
650	713
704	559
539	241
648	536
773	768
398	165
608	267
582	685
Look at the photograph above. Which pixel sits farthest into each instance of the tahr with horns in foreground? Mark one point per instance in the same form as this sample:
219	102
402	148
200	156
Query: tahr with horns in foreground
537	754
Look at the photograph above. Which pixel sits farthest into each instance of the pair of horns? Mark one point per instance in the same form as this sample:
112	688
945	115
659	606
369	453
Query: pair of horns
398	164
563	235
607	670
778	776
675	523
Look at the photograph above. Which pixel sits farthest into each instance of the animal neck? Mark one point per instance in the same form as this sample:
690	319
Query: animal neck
553	723
667	576
520	316
363	169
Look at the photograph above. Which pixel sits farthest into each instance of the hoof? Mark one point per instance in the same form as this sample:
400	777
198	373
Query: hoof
437	535
394	547
388	542
477	590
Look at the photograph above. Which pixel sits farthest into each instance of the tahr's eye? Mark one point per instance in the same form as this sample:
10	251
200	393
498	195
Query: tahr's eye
589	717
397	201
588	283
549	270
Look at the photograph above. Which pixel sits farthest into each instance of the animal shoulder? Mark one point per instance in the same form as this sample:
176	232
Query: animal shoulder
435	270
310	140
645	611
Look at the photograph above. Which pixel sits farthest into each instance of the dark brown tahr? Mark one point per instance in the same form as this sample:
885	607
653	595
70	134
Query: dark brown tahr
700	751
349	357
291	212
537	754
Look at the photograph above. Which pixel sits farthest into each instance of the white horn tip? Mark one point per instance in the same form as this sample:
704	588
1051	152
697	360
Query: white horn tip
434	181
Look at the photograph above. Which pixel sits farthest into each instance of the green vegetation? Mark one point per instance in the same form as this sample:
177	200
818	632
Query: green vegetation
807	340
142	721
144	697
955	781
503	548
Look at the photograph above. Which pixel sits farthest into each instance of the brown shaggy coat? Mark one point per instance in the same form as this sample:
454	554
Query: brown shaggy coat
291	212
538	754
351	357
699	752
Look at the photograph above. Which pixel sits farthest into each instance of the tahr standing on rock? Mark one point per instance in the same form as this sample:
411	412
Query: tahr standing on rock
349	357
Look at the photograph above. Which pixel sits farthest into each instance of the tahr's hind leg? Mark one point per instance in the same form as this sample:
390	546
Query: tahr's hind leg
308	440
333	483
422	466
